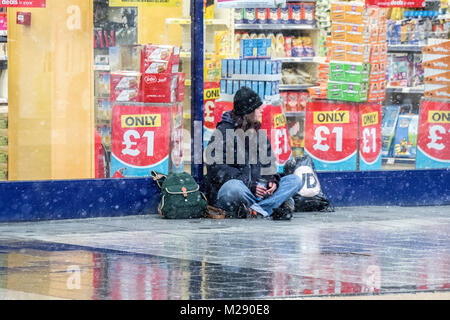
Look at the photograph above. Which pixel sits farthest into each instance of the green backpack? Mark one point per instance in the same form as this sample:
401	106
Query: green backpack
180	196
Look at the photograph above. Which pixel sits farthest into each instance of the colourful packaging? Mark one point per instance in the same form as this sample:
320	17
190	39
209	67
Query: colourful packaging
338	51
335	91
159	88
357	53
274	16
262	15
357	33
309	13
125	86
338	31
337	12
337	71
355	92
160	59
356	72
284	15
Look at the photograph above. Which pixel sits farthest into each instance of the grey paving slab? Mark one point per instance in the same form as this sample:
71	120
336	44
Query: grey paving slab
364	250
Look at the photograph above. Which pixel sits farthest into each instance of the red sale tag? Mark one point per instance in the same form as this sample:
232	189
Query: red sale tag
274	122
331	131
370	134
141	135
23	3
434	130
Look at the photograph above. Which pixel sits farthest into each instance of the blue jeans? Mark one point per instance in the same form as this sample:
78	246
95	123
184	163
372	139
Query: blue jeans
235	192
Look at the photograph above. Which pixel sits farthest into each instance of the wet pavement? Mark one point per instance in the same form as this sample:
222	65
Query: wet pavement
353	251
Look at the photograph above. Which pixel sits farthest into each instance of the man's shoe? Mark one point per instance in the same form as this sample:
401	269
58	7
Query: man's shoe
245	212
289	204
282	213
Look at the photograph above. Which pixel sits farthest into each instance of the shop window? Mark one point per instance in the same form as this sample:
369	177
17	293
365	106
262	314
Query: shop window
102	88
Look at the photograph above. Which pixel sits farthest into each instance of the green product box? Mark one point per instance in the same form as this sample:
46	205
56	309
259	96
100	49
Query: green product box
357	72
337	71
3	122
3	172
3	154
334	91
355	92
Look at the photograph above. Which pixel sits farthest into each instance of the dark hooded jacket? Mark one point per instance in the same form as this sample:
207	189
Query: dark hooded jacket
248	171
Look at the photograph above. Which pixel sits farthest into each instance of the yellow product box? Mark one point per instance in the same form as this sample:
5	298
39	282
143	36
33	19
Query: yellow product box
337	11
357	33
355	12
338	31
357	53
338	51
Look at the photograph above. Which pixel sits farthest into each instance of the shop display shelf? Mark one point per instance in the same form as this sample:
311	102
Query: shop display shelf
300	59
292	87
255	77
295	114
405	48
187	21
187	55
418	90
98	67
268	26
392	160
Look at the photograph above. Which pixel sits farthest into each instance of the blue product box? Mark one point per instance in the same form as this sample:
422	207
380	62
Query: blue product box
241	83
268	66
268	88
244	66
237	66
255	66
249	66
230	87
255	86
223	86
261	89
262	52
230	64
235	86
262	66
224	68
248	84
279	66
275	67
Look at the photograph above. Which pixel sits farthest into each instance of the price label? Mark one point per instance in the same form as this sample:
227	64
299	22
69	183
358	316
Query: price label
434	135
140	137
274	122
370	136
331	135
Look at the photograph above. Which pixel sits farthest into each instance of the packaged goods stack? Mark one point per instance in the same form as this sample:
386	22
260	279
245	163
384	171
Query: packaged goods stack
254	69
378	54
323	8
358	40
350	52
436	64
161	81
3	143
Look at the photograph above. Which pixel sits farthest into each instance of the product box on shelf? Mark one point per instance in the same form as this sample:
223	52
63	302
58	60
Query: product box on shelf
405	142
335	91
355	92
102	83
389	117
125	86
3	171
159	88
357	33
349	12
356	72
255	48
357	53
3	137
160	59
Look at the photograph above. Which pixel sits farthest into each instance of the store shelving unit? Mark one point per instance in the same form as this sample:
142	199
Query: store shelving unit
295	87
405	48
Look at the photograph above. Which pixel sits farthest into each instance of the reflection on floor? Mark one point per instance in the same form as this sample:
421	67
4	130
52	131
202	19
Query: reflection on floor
378	251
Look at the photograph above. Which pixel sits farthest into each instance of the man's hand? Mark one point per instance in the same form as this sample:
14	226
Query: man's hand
260	191
272	188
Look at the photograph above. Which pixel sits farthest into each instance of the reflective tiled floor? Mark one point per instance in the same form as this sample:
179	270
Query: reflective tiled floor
370	250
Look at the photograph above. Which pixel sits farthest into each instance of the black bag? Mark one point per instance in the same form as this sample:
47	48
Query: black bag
180	196
310	197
